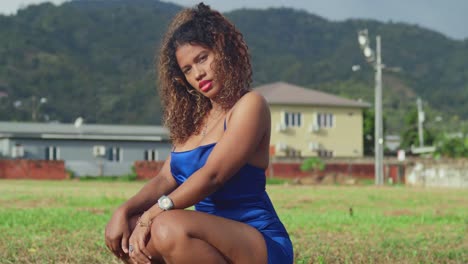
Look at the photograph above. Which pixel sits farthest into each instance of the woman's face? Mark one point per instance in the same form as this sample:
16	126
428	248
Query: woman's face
196	63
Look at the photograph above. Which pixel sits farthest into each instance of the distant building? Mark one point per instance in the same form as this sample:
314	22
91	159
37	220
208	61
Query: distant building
307	123
87	149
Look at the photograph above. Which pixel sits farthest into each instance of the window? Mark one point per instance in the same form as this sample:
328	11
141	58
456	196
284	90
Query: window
292	119
115	154
293	153
325	153
325	120
151	155
52	153
17	151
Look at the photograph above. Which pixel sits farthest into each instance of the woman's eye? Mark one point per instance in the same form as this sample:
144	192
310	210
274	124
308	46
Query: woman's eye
186	71
202	59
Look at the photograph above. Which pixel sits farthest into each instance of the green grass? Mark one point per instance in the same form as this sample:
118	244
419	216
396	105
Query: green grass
63	222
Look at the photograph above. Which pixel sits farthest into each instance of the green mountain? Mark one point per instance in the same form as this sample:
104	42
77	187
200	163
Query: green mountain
95	59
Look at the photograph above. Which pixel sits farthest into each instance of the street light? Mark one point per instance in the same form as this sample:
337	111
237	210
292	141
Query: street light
376	62
35	105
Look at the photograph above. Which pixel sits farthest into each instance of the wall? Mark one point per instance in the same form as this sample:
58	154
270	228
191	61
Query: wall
292	170
82	150
32	169
4	147
352	169
99	168
419	172
344	138
442	173
79	158
147	169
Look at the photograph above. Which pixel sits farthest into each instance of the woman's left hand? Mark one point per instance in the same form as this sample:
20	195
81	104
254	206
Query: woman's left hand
137	243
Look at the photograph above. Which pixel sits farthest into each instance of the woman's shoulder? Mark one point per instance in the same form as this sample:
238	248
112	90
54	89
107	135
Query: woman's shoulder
252	98
251	103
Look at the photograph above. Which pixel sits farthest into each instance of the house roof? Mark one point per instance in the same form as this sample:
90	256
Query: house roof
83	132
285	93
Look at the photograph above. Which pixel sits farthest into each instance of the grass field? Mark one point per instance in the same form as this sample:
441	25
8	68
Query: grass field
63	222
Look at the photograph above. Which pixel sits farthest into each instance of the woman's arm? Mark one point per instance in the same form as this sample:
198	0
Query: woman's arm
162	183
117	229
248	125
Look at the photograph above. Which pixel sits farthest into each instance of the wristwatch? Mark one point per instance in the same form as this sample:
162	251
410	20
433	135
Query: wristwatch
165	203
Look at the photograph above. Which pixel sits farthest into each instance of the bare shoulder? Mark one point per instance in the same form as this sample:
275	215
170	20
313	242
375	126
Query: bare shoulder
251	101
253	96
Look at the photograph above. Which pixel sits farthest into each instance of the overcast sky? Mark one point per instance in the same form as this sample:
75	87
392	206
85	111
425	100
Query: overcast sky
446	16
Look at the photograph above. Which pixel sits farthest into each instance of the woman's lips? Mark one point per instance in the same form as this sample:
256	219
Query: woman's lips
205	85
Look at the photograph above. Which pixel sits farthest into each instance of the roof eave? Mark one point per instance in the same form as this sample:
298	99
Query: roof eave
320	104
52	136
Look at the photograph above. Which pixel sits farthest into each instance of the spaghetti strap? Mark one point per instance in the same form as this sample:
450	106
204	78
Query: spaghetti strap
225	124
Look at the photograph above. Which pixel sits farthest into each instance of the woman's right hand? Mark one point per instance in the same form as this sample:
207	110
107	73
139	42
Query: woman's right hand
117	233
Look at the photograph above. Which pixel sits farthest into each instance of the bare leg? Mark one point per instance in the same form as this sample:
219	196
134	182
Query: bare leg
183	236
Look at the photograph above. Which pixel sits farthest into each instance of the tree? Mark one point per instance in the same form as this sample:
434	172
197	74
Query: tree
410	135
368	131
455	147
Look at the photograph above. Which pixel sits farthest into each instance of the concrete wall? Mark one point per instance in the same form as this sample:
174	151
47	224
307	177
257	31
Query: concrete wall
443	173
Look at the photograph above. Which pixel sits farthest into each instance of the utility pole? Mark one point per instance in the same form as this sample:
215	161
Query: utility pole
376	62
378	116
34	108
421	118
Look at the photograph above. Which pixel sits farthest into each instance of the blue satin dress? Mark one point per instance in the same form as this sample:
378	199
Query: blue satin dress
242	198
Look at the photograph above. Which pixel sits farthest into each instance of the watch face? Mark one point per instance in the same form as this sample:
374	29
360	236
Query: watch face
166	203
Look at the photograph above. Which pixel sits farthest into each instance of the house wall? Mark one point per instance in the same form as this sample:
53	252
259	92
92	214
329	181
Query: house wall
79	158
344	138
4	147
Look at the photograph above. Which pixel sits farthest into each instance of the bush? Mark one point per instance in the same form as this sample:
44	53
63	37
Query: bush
313	164
456	147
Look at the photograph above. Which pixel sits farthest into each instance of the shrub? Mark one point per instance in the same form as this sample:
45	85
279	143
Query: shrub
313	164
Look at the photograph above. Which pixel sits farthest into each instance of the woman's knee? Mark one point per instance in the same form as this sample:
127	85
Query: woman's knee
167	231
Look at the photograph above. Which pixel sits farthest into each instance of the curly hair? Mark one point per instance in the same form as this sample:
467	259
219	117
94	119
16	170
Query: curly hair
184	107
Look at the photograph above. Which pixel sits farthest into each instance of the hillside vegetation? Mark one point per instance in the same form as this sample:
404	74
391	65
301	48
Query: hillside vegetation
95	59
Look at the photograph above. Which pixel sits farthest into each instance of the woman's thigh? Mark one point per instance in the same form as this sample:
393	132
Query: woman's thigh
172	231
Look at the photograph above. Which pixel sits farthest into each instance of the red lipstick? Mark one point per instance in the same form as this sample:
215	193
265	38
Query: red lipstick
205	85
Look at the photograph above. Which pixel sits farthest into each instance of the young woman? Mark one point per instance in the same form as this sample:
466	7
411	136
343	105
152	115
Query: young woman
221	135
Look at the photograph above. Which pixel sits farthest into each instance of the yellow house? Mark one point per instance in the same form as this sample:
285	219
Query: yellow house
308	123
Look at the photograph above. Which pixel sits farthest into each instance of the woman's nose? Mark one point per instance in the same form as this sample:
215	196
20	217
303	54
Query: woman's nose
199	73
